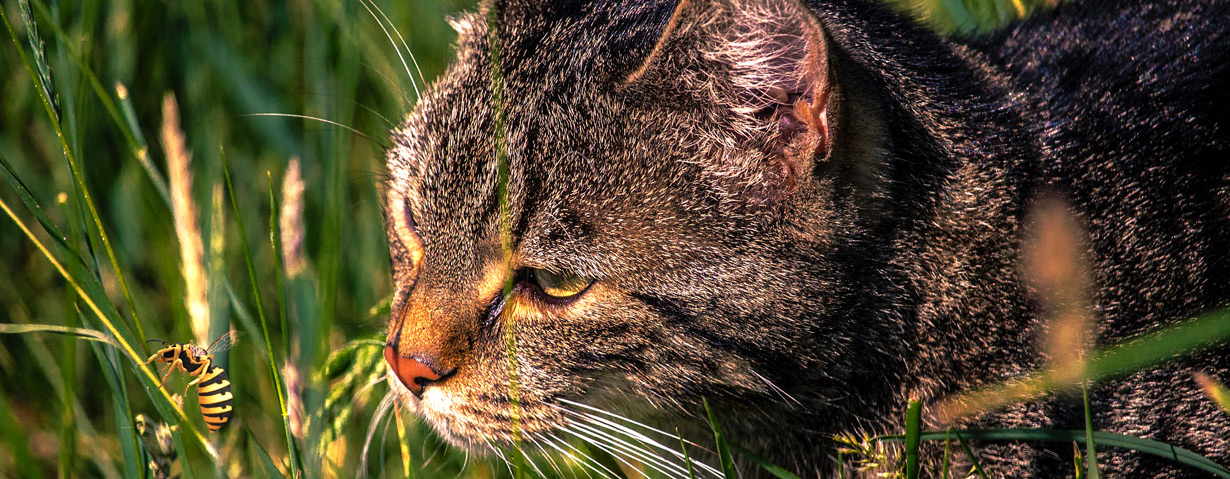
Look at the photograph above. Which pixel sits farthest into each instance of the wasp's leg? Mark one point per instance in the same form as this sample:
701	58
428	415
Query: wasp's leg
170	368
190	384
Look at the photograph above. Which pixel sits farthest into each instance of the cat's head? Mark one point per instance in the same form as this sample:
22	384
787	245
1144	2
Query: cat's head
662	231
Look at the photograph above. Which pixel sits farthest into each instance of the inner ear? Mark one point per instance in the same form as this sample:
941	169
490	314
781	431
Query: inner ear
764	60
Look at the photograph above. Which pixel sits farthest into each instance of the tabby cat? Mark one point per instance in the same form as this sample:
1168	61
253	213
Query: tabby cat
805	214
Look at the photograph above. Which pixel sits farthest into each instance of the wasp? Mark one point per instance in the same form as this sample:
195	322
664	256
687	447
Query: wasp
214	388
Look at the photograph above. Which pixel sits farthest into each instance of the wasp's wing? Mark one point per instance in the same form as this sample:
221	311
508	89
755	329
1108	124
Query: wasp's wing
224	342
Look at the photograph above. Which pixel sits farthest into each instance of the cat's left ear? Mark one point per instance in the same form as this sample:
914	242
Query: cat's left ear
764	60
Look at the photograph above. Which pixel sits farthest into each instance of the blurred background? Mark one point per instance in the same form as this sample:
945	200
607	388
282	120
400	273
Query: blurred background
68	406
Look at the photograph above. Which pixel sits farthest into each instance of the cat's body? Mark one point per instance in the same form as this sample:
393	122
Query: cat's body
807	215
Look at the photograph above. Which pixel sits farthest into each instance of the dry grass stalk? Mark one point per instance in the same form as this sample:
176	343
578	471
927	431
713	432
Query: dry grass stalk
1215	390
1054	266
294	401
187	229
291	220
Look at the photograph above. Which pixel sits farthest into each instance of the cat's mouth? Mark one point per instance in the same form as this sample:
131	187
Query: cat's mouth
480	421
554	425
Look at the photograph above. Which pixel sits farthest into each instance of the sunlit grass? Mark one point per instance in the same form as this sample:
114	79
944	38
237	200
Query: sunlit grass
289	251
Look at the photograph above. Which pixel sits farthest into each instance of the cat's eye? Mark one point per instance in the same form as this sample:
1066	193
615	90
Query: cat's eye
565	284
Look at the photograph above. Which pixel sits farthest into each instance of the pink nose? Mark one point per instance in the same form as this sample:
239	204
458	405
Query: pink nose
413	373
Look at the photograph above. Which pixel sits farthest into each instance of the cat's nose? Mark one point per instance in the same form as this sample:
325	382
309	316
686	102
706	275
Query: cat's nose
412	372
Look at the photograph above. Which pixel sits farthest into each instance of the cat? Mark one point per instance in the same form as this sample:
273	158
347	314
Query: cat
804	214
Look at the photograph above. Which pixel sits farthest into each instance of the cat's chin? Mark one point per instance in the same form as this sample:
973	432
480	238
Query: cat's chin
472	425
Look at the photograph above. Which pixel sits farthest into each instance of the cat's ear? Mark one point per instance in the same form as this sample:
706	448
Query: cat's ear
763	60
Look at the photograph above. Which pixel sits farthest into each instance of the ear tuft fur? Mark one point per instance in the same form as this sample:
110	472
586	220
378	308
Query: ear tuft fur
764	61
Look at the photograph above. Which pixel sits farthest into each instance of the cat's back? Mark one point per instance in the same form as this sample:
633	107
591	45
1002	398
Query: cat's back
1128	104
1124	78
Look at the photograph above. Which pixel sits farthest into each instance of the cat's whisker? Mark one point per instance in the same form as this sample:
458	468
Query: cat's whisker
778	390
615	416
502	456
362	392
608	449
529	460
631	433
401	93
382	410
369	5
322	120
650	459
547	455
645	440
585	460
618	417
666	456
366	108
405	45
384	436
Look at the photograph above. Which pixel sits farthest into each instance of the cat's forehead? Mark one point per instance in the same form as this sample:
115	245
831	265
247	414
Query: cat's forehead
586	158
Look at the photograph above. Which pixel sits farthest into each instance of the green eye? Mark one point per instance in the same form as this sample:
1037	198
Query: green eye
559	285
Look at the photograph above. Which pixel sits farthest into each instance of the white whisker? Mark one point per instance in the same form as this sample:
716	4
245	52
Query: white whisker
547	456
403	41
322	120
384	436
779	391
617	417
584	459
599	439
503	457
417	94
381	410
605	447
392	85
643	439
527	458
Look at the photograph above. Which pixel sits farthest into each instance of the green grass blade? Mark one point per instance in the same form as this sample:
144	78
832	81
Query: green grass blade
266	462
1091	454
772	469
127	123
260	312
37	48
960	16
61	385
122	408
947	453
17	442
973	458
1200	333
1204	331
723	449
161	401
1078	461
1147	446
686	459
82	192
275	239
913	427
83	333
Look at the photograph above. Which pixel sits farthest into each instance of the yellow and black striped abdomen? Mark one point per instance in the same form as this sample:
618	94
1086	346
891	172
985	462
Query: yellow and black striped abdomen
214	395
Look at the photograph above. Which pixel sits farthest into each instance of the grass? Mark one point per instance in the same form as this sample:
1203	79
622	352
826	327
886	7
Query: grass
291	246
